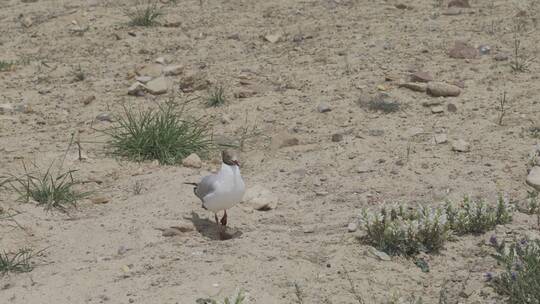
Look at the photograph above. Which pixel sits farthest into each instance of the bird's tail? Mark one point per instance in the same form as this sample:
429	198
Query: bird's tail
195	190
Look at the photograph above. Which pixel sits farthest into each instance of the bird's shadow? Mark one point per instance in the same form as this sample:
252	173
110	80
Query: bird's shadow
208	228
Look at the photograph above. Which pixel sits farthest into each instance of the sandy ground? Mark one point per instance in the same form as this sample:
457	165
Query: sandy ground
335	52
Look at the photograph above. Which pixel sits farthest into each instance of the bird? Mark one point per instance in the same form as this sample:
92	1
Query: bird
223	190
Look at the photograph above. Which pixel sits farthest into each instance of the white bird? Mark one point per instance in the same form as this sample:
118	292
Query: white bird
222	190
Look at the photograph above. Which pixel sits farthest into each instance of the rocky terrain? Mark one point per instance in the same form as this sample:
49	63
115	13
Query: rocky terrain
340	105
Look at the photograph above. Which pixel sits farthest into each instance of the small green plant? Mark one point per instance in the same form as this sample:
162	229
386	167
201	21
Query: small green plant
477	216
403	231
52	190
520	60
380	104
216	97
138	187
16	262
6	65
144	14
160	134
519	280
239	299
502	107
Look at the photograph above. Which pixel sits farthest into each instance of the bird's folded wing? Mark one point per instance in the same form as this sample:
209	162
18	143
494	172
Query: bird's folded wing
207	185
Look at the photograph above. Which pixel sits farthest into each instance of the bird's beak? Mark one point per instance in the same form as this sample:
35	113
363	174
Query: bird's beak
236	163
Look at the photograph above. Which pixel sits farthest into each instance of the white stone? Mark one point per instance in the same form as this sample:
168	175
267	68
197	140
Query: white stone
192	161
533	178
157	86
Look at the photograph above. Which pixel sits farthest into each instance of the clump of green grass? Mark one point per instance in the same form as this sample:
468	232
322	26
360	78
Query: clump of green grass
216	97
144	14
78	74
519	280
160	134
17	262
380	103
6	65
239	299
408	231
48	189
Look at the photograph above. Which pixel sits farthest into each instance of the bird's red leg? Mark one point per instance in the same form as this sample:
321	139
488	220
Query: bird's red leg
224	218
217	223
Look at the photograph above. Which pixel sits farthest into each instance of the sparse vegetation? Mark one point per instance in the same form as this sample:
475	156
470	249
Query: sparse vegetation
502	107
408	231
144	14
78	74
16	262
238	299
48	189
519	280
381	104
6	65
138	187
520	60
161	134
216	97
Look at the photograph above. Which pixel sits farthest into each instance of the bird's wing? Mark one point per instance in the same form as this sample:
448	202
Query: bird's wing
206	186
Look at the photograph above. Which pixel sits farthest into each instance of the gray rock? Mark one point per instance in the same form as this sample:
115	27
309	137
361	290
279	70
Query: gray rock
143	79
533	178
379	254
104	117
260	198
421	76
352	227
6	108
192	161
173	70
160	60
157	86
323	108
462	50
461	146
437	109
451	108
414	86
152	70
441	139
440	89
501	57
337	137
136	89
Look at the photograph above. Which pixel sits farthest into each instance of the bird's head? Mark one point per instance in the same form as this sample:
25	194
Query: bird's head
230	157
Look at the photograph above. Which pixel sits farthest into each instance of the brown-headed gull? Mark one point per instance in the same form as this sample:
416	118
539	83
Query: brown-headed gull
222	190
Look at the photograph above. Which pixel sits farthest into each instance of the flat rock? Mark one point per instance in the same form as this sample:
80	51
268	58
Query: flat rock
192	161
337	137
352	227
194	82
104	117
153	70
379	254
157	86
451	108
99	200
462	50
284	140
414	86
173	70
421	76
260	198
441	139
136	89
143	79
27	21
461	146
437	110
323	108
441	89
533	178
6	108
273	38
459	3
501	57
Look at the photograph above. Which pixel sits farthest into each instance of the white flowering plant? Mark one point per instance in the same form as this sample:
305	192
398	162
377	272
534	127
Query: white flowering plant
407	231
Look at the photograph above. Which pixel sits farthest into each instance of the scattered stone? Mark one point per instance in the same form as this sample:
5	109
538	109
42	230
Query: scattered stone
459	3
160	60
192	161
379	254
260	198
484	49
273	38
104	117
440	89
437	109
244	94
365	167
309	229
27	22
441	139
414	86
402	6
452	11
459	83
462	50
375	132
121	250
284	140
451	108
323	108
6	108
143	79
432	102
352	227
533	178
152	70
173	70
421	77
100	200
168	232
136	89
461	146
337	137
501	57
195	82
157	86
88	100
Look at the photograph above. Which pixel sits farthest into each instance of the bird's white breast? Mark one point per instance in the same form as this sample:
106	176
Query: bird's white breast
229	189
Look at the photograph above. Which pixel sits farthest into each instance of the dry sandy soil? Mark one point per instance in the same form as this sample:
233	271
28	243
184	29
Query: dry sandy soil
337	52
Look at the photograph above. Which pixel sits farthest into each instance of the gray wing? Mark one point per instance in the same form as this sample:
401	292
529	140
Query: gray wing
206	186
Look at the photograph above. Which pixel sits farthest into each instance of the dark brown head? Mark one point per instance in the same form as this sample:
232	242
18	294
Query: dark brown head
230	158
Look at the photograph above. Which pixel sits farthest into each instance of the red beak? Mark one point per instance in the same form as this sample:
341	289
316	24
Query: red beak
236	163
